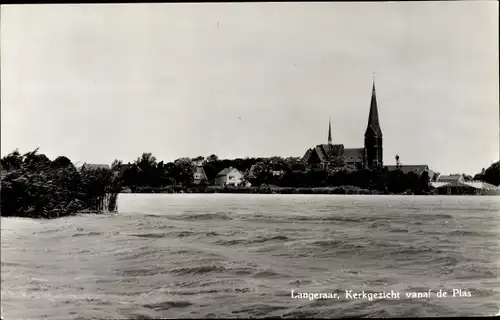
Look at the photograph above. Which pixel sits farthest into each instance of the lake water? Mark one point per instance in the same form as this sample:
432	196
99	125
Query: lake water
230	255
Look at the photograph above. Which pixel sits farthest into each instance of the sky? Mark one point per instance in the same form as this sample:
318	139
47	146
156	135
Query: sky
97	82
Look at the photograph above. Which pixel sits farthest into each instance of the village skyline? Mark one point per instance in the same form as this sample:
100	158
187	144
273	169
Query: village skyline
105	82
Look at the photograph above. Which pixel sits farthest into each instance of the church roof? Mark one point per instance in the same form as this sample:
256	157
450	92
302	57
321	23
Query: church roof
320	152
306	156
354	154
324	150
336	150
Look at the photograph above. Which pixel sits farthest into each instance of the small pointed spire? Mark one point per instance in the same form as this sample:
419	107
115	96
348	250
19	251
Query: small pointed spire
329	131
373	87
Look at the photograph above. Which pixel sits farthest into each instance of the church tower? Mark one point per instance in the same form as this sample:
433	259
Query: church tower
329	132
373	135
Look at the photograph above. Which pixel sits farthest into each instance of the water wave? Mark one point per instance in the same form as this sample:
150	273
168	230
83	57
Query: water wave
229	256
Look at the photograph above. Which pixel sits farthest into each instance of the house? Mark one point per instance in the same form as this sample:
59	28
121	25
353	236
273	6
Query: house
277	173
418	169
462	188
451	178
199	174
121	168
229	176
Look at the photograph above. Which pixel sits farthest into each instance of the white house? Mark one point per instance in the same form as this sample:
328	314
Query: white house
229	176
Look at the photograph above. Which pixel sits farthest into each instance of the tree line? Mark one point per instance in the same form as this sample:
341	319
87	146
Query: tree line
148	175
35	174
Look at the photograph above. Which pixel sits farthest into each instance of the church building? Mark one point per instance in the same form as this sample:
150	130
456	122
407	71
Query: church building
369	156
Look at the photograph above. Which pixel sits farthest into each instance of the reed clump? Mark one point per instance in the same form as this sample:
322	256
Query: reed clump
33	186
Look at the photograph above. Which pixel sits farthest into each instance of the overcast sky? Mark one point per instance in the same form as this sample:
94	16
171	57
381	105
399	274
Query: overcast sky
99	82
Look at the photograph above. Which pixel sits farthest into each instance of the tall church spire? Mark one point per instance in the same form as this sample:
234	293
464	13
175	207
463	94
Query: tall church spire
329	131
373	135
373	122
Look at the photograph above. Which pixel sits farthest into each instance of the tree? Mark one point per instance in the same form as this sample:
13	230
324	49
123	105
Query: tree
260	174
212	158
147	160
35	161
316	178
337	162
130	176
492	174
62	162
435	176
397	181
291	162
423	186
41	188
116	164
12	161
211	170
183	171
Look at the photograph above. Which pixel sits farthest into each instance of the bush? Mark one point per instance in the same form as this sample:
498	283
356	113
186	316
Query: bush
39	189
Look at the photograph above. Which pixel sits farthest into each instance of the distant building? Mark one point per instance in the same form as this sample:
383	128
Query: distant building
199	174
451	178
121	168
462	188
229	176
277	173
370	156
417	169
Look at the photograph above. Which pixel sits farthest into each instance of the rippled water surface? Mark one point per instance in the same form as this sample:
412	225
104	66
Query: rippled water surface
227	255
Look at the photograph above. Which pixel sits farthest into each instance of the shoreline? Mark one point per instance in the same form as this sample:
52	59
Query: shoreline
340	190
319	193
34	186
